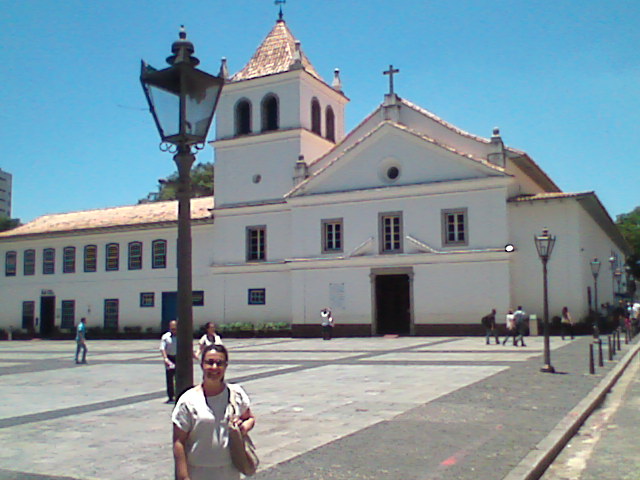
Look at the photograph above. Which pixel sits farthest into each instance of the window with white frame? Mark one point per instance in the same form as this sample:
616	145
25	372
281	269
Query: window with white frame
332	232
257	243
454	227
391	232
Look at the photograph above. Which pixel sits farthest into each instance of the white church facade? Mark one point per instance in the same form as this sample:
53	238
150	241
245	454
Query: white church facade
399	226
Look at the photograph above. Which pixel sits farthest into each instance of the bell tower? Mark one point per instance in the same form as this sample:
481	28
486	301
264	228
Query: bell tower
274	112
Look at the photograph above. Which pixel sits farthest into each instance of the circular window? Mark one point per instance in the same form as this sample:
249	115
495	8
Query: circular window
389	170
393	173
256	178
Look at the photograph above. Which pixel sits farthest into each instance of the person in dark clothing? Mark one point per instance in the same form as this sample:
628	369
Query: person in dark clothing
489	323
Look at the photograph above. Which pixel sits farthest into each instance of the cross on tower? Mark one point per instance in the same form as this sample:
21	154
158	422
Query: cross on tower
280	2
390	72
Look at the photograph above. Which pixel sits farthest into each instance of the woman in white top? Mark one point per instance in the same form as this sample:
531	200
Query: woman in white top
512	331
209	338
201	422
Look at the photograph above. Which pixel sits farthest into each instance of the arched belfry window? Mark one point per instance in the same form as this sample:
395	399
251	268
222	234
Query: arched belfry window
315	116
269	113
243	117
330	121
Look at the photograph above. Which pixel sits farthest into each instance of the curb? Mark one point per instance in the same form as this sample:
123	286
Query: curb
533	466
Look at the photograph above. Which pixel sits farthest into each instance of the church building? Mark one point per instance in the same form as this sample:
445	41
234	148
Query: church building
405	225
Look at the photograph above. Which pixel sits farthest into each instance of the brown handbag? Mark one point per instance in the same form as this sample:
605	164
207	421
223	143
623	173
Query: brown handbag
243	450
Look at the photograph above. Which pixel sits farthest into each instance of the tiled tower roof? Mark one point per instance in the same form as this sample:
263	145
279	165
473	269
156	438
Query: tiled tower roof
276	54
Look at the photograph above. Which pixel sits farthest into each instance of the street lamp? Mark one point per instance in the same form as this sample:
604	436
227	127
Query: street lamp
595	270
612	263
544	245
182	100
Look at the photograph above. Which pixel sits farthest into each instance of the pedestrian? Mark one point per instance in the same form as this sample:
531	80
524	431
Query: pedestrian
489	323
210	337
520	318
201	420
169	349
327	323
81	343
566	323
511	328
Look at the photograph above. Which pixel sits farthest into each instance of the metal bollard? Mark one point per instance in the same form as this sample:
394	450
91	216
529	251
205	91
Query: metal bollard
610	349
600	360
619	339
592	368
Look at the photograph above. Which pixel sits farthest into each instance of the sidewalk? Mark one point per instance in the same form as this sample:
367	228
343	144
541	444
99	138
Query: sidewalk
411	408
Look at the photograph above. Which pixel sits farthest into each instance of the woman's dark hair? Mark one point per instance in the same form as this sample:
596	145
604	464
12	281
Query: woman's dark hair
217	347
209	324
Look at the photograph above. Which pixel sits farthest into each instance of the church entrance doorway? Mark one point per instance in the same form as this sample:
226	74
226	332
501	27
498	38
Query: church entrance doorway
47	315
393	304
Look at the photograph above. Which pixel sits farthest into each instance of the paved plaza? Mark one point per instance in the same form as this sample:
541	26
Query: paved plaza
351	408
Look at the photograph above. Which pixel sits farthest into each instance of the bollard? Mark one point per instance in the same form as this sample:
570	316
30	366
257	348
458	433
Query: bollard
610	351
600	360
626	336
619	339
592	368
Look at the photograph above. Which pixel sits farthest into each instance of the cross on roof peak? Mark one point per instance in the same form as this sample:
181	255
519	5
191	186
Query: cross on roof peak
390	72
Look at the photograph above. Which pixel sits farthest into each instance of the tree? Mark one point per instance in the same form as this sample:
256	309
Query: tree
201	184
7	223
629	225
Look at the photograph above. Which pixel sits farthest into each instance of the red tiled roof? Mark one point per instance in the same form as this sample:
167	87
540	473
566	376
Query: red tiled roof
275	55
130	215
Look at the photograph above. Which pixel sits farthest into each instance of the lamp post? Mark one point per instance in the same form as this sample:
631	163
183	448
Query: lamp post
544	245
595	270
618	277
182	100
612	263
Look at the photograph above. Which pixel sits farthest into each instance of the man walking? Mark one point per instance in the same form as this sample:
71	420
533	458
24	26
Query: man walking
168	349
81	344
489	322
520	317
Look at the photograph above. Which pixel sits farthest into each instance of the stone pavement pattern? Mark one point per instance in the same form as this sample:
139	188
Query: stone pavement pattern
363	408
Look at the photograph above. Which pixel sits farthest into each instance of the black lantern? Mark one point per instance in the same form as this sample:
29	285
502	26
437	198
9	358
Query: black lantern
544	245
595	267
182	99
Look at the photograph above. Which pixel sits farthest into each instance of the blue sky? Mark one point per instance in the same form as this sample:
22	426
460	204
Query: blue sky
560	78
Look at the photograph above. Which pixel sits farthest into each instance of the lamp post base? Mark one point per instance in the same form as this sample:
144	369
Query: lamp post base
548	369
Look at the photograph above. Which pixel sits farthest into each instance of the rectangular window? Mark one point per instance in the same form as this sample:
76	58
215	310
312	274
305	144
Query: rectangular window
111	307
147	299
332	235
49	261
454	227
159	254
68	312
69	260
28	315
10	264
197	298
257	296
256	243
90	258
391	232
29	264
112	261
135	256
